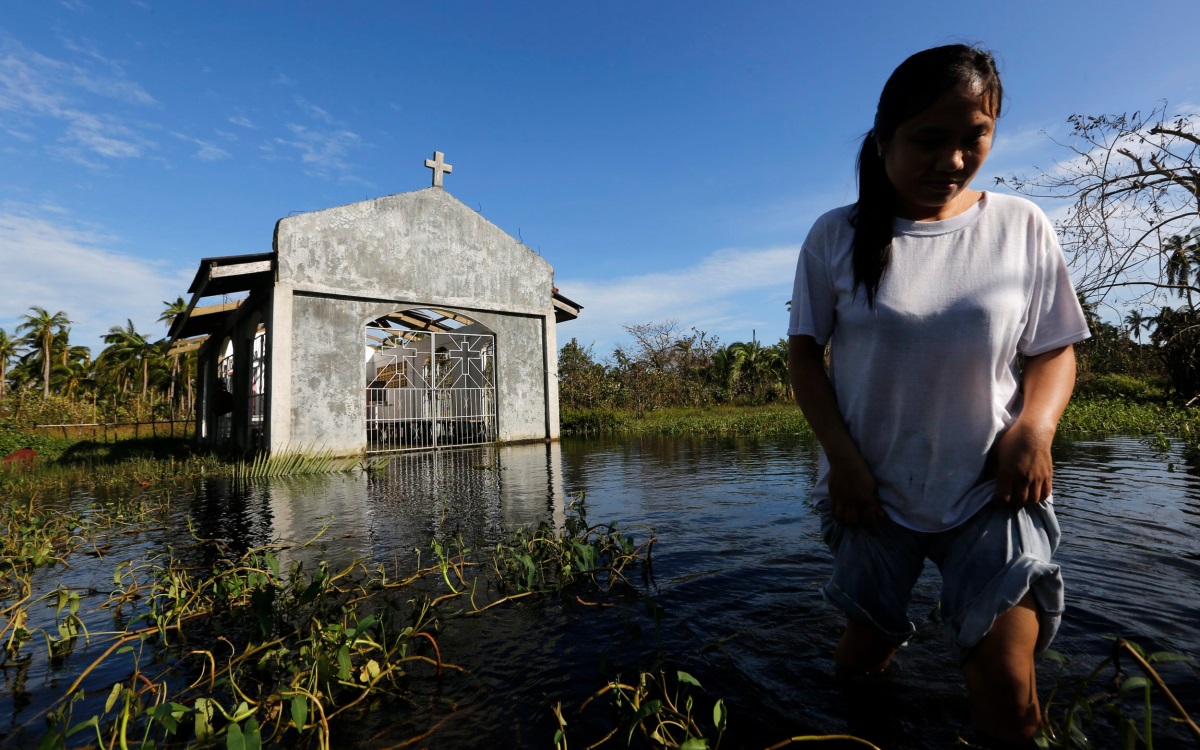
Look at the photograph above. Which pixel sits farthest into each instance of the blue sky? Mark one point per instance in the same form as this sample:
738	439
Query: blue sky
667	158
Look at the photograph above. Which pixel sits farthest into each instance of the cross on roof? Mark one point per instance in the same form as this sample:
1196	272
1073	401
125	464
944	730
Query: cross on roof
438	166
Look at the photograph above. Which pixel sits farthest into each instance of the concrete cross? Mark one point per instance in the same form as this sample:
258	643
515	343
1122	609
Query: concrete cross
438	166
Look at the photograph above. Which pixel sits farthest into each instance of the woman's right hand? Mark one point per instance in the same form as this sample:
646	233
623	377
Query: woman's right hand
853	496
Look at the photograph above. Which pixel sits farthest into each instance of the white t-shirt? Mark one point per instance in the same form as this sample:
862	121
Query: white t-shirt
928	379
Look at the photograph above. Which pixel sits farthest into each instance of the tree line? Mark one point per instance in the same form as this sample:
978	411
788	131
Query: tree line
666	366
46	379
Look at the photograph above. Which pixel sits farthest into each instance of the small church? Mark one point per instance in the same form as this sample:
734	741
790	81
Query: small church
401	323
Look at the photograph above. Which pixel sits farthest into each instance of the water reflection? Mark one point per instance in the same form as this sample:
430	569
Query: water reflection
737	569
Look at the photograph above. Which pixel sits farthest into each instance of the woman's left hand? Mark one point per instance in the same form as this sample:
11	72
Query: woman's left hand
1021	455
1024	469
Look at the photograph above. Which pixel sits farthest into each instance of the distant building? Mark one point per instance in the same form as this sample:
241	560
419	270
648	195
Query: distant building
403	322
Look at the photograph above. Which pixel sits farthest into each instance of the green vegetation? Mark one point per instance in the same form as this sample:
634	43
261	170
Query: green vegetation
45	379
1085	414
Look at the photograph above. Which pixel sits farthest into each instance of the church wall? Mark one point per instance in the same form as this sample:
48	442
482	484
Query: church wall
422	245
328	395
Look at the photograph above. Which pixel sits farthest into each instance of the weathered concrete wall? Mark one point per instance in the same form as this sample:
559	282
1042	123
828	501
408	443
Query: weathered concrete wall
520	376
425	245
345	266
328	372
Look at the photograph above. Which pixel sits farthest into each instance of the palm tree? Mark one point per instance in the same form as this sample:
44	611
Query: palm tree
170	311
126	348
1137	323
42	327
752	368
8	350
1183	262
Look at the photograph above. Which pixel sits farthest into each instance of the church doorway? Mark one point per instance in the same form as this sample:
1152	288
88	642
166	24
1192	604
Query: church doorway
431	381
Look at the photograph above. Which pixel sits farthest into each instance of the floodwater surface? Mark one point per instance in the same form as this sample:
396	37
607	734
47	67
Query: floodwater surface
736	571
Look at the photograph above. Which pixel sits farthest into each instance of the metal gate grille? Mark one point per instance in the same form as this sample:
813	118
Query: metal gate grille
429	389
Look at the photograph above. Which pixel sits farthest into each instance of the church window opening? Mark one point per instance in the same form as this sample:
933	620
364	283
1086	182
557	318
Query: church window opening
223	397
258	394
431	381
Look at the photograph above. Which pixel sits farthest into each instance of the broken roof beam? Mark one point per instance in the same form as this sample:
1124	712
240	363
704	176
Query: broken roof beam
417	321
447	315
186	345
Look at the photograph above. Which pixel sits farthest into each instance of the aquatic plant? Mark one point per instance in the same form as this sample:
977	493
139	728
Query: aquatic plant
251	650
1092	698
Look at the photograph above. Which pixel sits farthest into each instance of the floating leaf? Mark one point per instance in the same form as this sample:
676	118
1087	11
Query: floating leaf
299	711
685	677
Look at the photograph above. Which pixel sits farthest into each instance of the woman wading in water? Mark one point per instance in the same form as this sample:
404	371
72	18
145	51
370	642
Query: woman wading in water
935	444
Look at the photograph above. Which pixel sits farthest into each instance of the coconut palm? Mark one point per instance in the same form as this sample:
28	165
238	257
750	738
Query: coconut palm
1136	323
170	311
1183	263
41	327
126	349
8	350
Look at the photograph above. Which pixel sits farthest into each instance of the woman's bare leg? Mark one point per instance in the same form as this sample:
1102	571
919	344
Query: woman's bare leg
1001	679
863	648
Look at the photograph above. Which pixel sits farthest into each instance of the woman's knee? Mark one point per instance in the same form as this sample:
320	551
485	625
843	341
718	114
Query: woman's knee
864	648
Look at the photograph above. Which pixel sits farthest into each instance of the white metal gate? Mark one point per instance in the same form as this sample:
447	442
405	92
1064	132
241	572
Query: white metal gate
429	389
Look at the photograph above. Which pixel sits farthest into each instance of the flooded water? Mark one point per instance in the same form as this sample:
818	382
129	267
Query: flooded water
737	570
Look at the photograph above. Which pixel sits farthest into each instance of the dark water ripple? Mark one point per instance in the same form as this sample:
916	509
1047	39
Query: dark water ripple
737	570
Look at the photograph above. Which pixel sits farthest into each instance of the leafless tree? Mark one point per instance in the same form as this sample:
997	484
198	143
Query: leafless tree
1134	221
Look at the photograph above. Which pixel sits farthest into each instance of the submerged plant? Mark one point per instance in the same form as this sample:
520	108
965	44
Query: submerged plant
1068	725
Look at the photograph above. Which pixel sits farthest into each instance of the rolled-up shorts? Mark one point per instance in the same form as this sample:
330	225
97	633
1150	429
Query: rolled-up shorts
987	564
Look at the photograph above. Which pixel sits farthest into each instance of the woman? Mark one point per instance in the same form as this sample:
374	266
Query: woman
935	443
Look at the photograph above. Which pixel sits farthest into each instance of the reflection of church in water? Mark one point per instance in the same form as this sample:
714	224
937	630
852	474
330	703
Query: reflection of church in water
408	321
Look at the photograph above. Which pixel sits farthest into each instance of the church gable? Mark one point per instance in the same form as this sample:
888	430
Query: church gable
424	245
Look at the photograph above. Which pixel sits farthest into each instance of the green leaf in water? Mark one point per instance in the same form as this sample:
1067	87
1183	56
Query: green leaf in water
299	711
685	677
720	715
649	708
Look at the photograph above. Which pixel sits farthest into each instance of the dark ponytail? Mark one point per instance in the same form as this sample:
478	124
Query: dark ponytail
913	87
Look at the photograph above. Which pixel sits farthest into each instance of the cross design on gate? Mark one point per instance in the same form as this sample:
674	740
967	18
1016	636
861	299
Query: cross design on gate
439	166
468	362
401	356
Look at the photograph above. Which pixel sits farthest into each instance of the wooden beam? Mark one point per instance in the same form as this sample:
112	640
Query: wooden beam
239	269
453	316
187	345
214	309
420	322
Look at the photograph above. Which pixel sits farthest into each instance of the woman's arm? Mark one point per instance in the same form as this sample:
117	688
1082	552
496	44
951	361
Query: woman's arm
1024	469
852	495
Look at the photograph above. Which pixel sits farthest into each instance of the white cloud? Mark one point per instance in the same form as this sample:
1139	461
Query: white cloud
323	153
728	293
242	121
314	111
208	151
35	88
54	263
284	80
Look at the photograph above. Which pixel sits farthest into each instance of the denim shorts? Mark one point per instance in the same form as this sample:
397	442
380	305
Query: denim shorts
987	565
